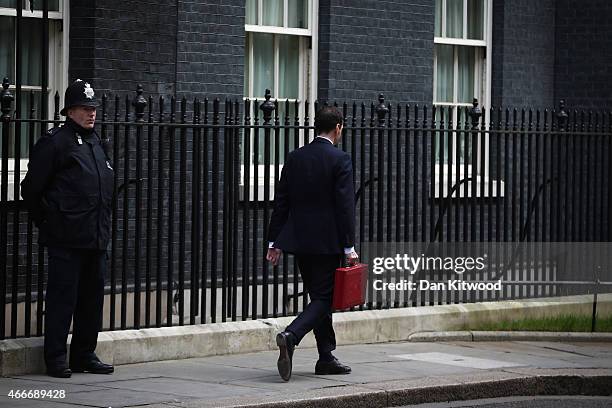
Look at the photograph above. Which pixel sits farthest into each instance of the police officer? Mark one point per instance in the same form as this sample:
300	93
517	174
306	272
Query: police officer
68	189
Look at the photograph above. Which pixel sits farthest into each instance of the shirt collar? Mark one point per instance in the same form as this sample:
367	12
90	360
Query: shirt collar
326	138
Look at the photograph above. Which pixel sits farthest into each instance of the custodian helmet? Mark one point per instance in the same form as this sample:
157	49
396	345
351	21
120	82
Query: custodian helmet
79	93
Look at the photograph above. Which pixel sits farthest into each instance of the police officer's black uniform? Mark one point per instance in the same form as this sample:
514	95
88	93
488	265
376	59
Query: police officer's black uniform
68	190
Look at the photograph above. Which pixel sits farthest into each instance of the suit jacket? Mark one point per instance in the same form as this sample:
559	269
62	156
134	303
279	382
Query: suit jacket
314	201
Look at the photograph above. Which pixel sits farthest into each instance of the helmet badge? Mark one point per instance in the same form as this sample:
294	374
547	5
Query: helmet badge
89	92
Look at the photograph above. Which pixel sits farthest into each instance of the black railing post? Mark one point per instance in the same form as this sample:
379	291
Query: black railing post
195	215
161	176
114	255
561	126
475	114
225	213
30	243
381	113
214	211
182	210
246	197
126	217
139	104
149	224
267	107
6	100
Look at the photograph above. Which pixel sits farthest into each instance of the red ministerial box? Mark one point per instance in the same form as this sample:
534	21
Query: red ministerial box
350	286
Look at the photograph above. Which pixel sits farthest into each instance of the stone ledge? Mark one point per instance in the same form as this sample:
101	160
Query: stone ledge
25	356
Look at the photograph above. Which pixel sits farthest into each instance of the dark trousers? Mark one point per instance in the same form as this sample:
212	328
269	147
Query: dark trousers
317	273
75	289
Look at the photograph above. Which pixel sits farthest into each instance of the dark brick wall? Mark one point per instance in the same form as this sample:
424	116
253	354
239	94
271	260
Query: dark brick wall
523	53
82	36
583	55
121	44
211	43
367	47
182	47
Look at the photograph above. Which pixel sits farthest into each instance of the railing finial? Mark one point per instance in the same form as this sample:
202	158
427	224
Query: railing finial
562	115
6	100
267	107
139	104
475	113
381	109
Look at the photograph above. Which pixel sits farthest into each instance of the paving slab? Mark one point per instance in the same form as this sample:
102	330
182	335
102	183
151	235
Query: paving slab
383	374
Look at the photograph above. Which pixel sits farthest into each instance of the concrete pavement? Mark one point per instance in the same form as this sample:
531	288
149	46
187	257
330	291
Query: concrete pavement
384	374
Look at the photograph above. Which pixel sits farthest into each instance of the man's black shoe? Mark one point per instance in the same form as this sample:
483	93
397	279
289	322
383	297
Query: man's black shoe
59	372
284	341
93	366
331	367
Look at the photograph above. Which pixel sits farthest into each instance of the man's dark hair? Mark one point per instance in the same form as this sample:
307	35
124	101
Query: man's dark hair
327	118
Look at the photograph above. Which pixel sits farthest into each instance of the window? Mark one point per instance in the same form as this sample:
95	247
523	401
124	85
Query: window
280	55
462	42
31	47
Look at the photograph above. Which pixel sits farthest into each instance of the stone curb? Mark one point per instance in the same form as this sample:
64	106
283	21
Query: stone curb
25	356
472	335
428	390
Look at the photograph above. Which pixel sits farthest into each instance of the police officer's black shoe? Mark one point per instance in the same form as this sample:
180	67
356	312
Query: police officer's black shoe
286	345
93	366
331	367
59	372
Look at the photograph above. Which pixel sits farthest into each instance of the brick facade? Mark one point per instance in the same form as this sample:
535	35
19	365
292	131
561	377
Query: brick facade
368	47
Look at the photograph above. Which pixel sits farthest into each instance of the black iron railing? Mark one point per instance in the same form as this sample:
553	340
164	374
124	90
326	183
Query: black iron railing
194	185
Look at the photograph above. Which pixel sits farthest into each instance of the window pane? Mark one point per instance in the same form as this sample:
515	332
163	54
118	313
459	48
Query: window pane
7	48
442	114
26	128
465	81
298	13
438	22
251	12
444	69
289	60
286	137
475	19
31	51
454	18
263	63
273	12
38	5
7	3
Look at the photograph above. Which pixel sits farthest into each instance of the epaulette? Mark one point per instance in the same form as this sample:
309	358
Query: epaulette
54	130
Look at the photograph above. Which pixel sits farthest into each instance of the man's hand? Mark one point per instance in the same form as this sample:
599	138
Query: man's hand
352	258
273	255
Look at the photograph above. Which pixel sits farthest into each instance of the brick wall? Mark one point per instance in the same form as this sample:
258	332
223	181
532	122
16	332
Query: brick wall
367	47
182	47
583	55
523	53
211	43
123	44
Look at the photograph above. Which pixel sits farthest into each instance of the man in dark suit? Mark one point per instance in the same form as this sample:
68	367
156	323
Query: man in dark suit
314	218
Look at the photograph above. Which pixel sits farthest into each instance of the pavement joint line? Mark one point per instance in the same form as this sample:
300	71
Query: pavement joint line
533	354
568	351
58	401
180	395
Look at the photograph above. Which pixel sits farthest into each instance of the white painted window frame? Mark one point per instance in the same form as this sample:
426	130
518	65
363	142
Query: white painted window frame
482	79
58	74
307	82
